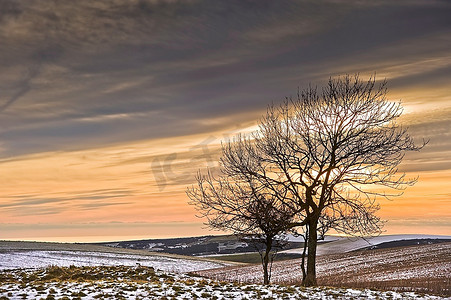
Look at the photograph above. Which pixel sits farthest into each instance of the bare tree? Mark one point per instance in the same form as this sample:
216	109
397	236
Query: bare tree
267	244
333	152
247	209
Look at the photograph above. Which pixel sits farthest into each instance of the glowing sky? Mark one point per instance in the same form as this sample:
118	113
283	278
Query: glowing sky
108	108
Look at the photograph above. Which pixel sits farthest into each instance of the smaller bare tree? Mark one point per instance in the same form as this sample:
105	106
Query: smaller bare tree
245	208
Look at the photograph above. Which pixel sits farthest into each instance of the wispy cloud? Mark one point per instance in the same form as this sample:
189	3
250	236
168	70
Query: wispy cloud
88	200
120	99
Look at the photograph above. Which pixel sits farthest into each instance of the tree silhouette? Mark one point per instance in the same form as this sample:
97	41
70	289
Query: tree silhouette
326	157
246	208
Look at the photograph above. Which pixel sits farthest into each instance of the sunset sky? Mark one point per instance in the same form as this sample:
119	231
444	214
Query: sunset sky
108	108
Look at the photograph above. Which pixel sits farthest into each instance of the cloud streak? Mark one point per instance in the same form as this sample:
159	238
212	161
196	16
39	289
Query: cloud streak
89	200
124	96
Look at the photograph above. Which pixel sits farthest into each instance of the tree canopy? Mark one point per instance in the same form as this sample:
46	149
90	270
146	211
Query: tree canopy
324	158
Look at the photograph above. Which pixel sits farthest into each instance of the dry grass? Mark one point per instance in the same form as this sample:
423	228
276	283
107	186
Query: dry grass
427	285
78	274
431	266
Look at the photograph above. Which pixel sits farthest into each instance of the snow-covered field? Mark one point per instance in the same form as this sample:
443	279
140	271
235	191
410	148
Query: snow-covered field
39	259
15	255
105	273
116	283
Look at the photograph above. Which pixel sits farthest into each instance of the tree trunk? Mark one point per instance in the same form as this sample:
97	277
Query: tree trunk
310	279
266	275
304	251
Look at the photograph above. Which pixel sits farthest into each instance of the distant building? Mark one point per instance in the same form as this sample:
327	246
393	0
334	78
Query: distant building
231	245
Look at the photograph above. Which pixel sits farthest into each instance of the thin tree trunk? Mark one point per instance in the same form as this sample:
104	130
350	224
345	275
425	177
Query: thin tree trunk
304	251
310	279
266	274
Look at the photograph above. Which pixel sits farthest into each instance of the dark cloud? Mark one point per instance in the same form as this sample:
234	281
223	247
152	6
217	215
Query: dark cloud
9	10
438	76
42	56
89	73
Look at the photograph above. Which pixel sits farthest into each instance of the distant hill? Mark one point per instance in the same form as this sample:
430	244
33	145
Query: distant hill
197	246
337	244
229	244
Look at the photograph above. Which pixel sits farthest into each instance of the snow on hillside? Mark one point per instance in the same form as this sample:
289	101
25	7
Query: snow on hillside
337	244
40	258
300	239
407	263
